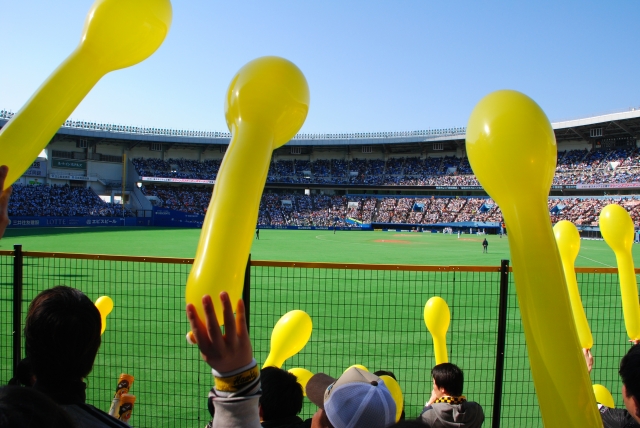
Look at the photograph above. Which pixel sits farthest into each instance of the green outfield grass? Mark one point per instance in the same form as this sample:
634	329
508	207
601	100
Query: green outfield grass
295	245
376	316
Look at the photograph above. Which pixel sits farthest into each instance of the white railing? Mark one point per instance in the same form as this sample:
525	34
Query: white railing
79	124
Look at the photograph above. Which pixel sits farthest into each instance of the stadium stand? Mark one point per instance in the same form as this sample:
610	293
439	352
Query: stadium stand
60	201
395	178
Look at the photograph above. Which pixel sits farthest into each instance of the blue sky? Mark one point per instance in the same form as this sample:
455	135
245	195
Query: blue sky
371	66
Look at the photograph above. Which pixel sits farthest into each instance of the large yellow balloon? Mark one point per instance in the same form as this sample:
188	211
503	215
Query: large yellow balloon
568	240
290	334
437	318
266	104
616	227
603	396
117	34
303	376
105	306
512	151
396	392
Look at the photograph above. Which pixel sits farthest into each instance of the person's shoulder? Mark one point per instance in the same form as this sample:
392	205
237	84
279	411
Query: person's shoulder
617	418
86	415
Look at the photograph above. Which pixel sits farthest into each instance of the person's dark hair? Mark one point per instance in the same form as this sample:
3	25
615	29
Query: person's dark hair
28	408
385	373
448	376
630	372
62	334
281	394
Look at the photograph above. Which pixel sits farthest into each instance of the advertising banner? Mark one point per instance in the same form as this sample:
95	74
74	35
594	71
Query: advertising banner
68	164
37	169
176	180
72	177
70	221
608	186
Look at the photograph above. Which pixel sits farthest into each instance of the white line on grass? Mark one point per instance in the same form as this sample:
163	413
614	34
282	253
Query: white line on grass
604	264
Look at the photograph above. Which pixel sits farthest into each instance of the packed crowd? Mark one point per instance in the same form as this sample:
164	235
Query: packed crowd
294	209
177	168
574	167
60	201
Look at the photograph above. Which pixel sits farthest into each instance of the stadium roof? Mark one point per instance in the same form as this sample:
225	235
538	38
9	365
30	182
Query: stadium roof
623	124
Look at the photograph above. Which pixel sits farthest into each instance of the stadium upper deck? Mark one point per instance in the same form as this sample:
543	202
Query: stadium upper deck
91	154
625	123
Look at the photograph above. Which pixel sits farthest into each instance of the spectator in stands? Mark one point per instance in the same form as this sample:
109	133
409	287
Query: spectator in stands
62	337
237	378
4	200
629	417
447	407
280	402
281	399
356	399
60	201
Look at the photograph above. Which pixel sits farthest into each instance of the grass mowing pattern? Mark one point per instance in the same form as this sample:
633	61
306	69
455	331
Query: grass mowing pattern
366	317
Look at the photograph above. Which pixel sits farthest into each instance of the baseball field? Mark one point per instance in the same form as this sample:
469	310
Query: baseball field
361	316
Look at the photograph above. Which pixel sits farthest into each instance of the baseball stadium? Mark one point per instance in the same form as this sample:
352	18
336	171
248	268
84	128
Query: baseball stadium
160	274
358	230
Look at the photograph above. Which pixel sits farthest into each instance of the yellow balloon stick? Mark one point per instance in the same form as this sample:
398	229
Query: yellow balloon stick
512	150
116	34
437	318
616	227
105	306
290	334
603	396
396	393
266	104
568	240
303	376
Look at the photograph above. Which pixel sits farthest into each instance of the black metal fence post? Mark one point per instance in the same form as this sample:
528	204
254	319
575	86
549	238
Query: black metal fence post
17	306
502	332
246	291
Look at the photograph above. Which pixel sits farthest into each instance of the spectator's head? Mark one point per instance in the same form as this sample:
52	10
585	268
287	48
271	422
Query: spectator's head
630	375
357	398
28	408
281	394
62	335
447	380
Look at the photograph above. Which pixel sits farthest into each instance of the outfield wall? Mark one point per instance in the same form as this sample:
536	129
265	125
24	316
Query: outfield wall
85	221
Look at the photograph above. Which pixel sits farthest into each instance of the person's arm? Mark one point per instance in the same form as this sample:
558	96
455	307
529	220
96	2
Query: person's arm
4	200
237	377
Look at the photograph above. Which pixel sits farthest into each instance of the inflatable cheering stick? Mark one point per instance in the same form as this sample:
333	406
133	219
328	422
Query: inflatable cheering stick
616	227
105	306
266	104
290	334
568	240
603	396
437	318
396	393
512	150
116	34
303	376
